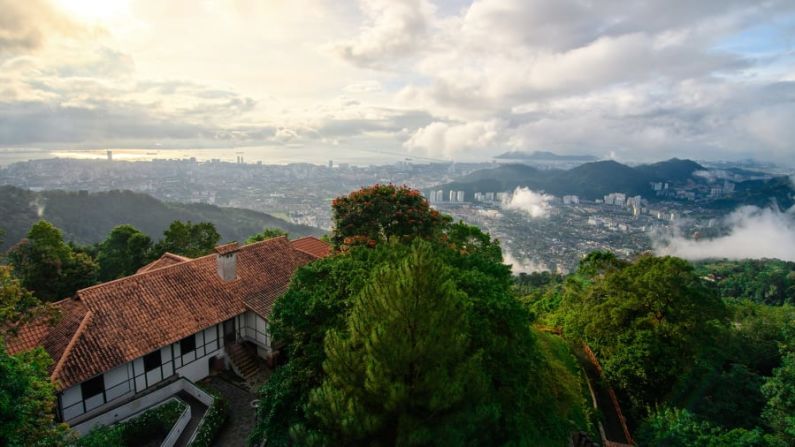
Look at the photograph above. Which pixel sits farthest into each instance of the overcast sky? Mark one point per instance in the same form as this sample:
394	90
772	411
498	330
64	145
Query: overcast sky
633	80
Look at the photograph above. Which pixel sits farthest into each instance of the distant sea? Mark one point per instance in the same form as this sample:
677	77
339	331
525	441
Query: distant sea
266	155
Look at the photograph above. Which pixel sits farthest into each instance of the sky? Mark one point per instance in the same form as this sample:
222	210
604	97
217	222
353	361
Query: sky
628	80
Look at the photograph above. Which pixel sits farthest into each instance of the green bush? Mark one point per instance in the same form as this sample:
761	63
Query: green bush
152	424
213	420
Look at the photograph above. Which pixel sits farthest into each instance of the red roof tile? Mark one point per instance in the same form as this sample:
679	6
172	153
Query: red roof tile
313	246
227	248
166	260
115	322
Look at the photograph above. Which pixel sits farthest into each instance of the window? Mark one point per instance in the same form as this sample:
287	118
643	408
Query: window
187	344
91	388
151	361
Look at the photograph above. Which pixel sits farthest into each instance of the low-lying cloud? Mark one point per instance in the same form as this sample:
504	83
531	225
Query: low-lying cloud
755	233
534	204
524	265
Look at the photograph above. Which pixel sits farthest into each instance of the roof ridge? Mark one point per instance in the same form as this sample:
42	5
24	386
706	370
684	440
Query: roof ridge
62	361
306	252
174	255
190	260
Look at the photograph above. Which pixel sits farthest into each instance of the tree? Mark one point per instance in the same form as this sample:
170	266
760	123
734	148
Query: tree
266	233
27	397
673	427
524	402
48	266
27	401
404	371
188	239
376	213
649	323
779	413
124	251
17	305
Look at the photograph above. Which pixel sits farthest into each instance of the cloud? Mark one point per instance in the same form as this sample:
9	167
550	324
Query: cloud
453	79
534	204
26	25
444	139
393	29
363	87
755	233
523	266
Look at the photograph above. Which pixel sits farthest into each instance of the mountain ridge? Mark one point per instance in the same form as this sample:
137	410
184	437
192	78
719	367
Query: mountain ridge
87	218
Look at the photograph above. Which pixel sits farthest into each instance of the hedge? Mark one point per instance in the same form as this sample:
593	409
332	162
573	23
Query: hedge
212	421
150	425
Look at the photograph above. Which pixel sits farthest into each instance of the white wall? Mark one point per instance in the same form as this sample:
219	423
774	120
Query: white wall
129	378
255	329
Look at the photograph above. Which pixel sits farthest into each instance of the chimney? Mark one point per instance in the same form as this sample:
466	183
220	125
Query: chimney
226	261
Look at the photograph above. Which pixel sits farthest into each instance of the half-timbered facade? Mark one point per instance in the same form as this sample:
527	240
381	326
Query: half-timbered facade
174	317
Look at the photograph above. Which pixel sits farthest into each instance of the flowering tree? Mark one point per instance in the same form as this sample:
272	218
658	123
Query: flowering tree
379	212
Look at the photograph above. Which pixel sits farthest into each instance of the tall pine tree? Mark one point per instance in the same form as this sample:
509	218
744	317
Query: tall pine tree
403	372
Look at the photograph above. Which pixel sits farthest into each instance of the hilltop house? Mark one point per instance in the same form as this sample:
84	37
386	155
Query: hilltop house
176	317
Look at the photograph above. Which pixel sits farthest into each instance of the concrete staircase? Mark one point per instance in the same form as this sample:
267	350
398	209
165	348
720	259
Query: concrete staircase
245	362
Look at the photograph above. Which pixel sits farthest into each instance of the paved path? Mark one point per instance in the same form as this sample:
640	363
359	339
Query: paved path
197	410
241	414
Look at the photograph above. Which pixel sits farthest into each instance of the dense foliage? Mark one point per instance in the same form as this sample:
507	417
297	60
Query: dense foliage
151	426
27	397
768	281
124	251
212	421
48	266
647	322
266	233
379	212
354	309
27	401
691	367
188	239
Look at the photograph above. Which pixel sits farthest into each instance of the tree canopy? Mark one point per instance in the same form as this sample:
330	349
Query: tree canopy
123	252
48	266
27	397
379	212
403	371
346	326
266	233
188	239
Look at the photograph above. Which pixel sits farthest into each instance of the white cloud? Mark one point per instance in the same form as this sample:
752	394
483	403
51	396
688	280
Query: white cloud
393	29
755	233
524	265
447	140
643	80
534	204
364	87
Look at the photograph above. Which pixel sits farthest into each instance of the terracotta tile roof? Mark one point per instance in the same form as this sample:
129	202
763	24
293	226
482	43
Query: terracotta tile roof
115	322
166	260
227	248
53	338
313	246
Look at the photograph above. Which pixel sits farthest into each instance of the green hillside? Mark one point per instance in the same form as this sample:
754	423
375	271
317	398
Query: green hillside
89	217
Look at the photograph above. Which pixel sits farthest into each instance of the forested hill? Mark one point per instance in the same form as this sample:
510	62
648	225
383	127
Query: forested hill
594	180
89	217
590	180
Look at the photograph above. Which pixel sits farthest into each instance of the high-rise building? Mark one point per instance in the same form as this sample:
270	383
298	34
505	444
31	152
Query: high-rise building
110	155
459	196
